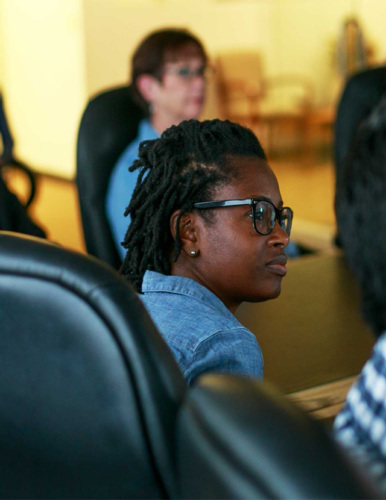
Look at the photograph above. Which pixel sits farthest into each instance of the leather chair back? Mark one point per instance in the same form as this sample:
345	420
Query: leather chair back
239	438
109	123
89	390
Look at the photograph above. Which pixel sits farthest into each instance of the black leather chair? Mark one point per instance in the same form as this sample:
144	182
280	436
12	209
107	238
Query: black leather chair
93	404
238	438
109	123
89	391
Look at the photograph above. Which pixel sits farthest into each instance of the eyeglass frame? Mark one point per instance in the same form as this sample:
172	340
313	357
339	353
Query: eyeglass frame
201	71
252	202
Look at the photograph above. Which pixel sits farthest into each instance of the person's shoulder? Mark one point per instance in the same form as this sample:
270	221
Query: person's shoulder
380	344
211	329
368	79
370	73
130	153
188	320
228	333
377	365
186	312
146	131
131	149
235	350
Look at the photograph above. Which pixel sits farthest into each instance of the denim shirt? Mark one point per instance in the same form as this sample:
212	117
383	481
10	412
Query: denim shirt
122	184
203	335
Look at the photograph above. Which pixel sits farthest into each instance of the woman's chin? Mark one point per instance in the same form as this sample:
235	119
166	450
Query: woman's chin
194	111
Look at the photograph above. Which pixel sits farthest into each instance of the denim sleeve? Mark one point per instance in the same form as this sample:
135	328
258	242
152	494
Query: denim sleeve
234	351
119	192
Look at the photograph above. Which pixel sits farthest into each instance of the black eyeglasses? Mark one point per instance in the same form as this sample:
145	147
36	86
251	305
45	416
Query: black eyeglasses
188	73
264	214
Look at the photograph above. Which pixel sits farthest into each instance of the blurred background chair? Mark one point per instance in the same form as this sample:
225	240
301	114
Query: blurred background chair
240	84
13	214
18	185
9	162
109	123
276	108
89	390
16	172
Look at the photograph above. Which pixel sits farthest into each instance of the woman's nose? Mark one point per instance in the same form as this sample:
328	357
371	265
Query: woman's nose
278	236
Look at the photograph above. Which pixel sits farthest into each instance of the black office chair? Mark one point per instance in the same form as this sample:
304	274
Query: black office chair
14	211
109	123
28	175
94	406
8	160
89	391
239	438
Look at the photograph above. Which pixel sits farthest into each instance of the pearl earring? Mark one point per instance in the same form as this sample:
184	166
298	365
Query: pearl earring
193	253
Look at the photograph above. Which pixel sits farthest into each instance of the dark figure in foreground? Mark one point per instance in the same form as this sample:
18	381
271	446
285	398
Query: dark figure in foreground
361	215
361	94
208	231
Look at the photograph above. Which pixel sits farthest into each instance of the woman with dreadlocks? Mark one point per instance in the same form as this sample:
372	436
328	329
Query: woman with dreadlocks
208	231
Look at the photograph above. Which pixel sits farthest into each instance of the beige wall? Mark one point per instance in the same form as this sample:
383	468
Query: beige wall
293	36
56	53
43	80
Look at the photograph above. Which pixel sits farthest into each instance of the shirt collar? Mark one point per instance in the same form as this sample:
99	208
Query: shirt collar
147	131
157	282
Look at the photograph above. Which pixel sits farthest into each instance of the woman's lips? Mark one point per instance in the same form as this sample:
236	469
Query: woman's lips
278	265
198	100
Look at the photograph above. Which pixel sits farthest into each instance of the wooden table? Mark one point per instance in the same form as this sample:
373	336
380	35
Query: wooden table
313	338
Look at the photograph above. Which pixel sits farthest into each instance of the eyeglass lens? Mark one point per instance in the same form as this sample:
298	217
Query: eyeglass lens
187	72
265	218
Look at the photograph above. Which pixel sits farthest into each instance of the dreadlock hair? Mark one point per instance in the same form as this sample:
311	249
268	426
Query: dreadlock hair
184	166
360	206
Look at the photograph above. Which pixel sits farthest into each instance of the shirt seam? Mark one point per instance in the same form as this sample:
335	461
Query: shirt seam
208	301
217	332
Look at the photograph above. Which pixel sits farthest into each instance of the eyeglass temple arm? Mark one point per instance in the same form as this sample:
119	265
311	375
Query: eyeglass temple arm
224	203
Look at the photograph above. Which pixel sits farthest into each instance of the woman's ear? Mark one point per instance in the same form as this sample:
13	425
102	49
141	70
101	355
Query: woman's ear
188	231
147	85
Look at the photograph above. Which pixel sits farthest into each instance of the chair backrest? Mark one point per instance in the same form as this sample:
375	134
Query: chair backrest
89	390
25	173
238	438
109	123
13	214
240	83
